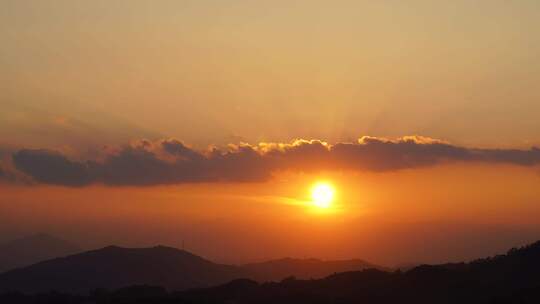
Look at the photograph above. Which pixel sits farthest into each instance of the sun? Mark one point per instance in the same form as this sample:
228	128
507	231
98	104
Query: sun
322	194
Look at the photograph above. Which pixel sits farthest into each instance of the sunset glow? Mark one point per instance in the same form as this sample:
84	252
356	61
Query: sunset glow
247	131
322	194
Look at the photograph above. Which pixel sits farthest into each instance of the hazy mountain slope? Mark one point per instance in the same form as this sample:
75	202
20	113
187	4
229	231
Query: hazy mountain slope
115	267
33	249
510	278
276	270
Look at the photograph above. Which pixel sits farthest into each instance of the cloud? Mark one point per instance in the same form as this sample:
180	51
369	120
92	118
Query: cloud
13	177
177	148
52	168
170	161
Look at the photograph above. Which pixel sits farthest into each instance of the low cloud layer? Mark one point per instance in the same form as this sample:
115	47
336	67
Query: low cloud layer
170	161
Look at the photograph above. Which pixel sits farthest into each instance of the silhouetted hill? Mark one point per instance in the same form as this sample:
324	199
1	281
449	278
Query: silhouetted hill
510	278
115	267
276	270
33	249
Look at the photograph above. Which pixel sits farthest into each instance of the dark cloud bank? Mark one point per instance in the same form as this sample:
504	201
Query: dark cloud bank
170	161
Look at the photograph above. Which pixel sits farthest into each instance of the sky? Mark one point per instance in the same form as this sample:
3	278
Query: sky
208	122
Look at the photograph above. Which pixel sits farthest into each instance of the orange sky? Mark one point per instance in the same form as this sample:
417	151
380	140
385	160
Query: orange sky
445	213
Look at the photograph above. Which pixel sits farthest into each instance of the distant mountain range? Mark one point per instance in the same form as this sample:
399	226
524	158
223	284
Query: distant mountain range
504	279
33	249
510	278
115	267
276	270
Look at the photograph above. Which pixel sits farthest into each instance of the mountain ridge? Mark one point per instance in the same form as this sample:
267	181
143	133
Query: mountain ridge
114	267
508	278
513	277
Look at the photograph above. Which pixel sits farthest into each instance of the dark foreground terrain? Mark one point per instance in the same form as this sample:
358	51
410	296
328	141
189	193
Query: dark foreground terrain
510	278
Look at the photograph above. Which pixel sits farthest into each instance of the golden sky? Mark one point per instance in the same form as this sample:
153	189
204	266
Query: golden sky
210	121
88	71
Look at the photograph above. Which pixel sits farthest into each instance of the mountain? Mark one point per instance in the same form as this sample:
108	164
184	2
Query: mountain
115	267
504	279
33	249
276	270
510	278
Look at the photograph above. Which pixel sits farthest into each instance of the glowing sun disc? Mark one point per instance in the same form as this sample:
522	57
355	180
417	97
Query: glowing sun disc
322	195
